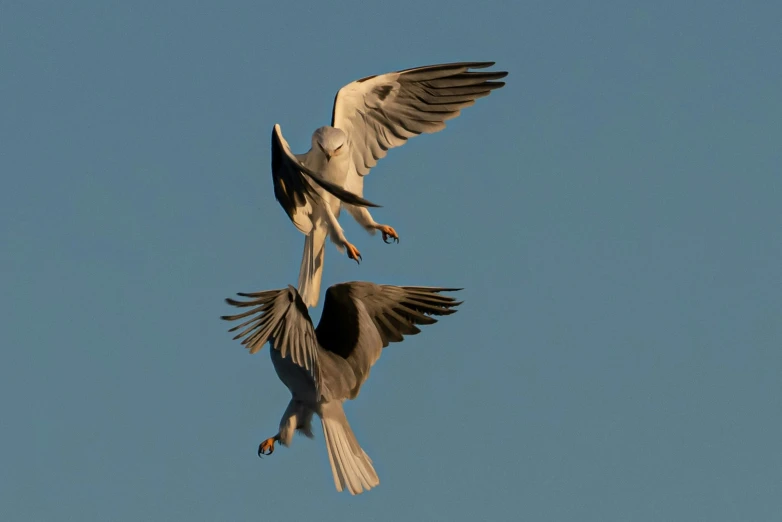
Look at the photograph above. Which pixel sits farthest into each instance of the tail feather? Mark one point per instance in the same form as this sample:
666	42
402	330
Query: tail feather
312	265
351	467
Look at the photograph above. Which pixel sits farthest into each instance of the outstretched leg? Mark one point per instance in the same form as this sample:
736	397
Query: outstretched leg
297	416
364	218
337	236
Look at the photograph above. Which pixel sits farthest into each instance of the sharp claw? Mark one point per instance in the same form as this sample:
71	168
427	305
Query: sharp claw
386	235
354	254
264	449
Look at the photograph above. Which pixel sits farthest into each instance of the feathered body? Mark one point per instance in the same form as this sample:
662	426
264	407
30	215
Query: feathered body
324	366
370	116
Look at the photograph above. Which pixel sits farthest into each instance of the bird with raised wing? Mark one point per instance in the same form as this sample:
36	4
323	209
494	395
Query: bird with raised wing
370	116
324	366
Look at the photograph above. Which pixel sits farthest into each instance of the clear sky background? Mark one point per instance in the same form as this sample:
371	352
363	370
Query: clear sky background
614	215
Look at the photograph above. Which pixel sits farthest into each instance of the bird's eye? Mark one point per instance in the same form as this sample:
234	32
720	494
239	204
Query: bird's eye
335	150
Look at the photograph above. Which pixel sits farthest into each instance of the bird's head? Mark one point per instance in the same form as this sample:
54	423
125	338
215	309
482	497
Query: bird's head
330	141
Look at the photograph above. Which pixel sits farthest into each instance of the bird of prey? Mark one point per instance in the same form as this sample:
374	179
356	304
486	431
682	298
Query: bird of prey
324	366
370	116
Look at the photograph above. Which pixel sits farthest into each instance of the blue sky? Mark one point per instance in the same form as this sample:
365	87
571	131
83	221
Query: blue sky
613	214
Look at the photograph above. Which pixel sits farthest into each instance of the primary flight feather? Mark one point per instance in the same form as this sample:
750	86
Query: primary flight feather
370	116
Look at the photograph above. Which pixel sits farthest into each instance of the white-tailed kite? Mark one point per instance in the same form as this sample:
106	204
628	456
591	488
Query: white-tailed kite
324	366
370	116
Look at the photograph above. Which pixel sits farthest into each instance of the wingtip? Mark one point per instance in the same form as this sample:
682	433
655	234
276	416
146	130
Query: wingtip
481	65
254	294
474	65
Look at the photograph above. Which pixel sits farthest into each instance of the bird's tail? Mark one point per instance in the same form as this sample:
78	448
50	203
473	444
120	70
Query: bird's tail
312	265
350	465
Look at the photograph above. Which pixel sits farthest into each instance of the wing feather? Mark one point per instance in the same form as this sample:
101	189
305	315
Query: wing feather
281	318
381	112
359	319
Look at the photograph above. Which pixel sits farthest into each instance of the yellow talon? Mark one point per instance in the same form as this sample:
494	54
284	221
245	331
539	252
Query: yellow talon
353	253
388	232
267	446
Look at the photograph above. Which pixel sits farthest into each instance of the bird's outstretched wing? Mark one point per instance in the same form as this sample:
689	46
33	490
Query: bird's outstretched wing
293	189
381	112
278	316
360	318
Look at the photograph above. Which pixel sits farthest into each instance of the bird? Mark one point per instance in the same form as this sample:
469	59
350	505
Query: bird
369	117
323	367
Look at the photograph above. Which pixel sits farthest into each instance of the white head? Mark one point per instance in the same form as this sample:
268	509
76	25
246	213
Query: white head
330	141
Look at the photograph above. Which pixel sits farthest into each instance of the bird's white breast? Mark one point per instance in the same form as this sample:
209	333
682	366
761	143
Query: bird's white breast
334	171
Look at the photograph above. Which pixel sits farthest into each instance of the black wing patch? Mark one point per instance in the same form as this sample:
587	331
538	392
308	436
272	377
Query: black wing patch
395	311
338	328
290	186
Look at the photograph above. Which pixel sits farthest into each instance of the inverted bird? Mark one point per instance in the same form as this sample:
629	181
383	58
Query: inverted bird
324	366
370	116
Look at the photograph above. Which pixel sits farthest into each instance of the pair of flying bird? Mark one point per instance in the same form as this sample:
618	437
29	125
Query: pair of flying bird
324	366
